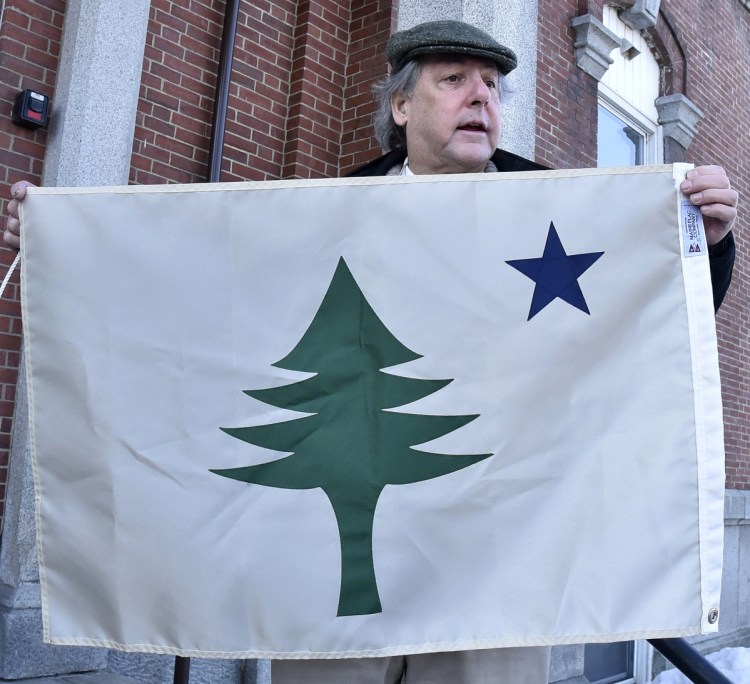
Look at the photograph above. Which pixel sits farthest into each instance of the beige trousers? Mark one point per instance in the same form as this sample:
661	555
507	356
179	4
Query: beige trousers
491	666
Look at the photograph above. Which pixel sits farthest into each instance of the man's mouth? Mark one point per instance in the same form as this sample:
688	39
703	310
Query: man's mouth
477	126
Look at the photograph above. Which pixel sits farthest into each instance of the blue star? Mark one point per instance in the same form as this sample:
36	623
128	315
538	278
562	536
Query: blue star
555	274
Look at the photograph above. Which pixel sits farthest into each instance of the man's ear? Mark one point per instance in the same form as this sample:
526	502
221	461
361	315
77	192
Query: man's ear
400	109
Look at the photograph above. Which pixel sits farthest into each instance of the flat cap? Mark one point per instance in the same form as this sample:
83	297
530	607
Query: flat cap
447	37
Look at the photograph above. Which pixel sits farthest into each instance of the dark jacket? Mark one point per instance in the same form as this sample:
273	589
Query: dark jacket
505	162
721	255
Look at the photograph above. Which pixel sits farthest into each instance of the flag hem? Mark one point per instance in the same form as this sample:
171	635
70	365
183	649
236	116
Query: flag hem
709	419
242	186
406	649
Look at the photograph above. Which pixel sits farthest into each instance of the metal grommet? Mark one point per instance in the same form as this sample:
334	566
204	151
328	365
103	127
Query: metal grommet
713	616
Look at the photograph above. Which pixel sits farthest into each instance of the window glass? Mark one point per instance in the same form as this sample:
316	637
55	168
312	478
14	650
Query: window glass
619	144
608	663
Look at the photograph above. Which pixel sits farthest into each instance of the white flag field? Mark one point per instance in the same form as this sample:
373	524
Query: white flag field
368	417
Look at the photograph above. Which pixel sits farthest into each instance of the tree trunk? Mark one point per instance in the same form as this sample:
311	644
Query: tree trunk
359	589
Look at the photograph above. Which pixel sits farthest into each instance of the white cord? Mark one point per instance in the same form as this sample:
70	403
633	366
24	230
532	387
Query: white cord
12	268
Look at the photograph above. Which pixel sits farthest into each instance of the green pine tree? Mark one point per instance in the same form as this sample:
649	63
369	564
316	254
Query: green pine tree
351	447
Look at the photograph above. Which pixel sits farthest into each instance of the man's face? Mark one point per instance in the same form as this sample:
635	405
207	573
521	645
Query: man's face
452	120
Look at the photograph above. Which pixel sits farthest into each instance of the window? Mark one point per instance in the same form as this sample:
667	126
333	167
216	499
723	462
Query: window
626	137
628	132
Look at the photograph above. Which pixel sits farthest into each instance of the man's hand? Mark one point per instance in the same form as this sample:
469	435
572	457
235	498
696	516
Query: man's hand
12	235
708	188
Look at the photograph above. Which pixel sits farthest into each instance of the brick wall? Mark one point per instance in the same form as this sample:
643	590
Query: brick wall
566	96
715	39
371	25
318	80
177	91
702	49
29	45
299	102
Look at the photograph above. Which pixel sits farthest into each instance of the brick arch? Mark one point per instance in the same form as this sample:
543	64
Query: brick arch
665	46
669	54
594	7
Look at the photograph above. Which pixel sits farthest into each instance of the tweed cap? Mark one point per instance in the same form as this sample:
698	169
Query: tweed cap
447	37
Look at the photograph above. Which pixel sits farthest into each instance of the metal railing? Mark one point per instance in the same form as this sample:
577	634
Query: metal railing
687	660
181	670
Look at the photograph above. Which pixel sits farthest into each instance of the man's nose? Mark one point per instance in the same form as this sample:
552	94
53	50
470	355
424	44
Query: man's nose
480	91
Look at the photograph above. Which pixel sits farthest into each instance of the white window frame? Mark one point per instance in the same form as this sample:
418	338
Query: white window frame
643	662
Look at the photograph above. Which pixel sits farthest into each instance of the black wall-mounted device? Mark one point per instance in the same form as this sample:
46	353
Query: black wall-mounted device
30	109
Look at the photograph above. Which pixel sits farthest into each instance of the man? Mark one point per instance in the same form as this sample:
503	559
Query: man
440	113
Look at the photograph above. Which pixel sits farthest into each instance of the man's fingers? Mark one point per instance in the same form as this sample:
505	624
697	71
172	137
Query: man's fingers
706	169
722	212
717	204
705	177
699	183
708	187
12	241
726	197
18	190
12	235
13	225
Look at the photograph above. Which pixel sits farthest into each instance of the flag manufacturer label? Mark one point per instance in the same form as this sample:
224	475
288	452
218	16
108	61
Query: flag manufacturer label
693	237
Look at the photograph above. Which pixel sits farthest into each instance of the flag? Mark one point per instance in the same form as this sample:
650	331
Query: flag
367	417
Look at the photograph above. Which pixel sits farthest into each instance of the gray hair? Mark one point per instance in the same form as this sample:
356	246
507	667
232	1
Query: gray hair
403	82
